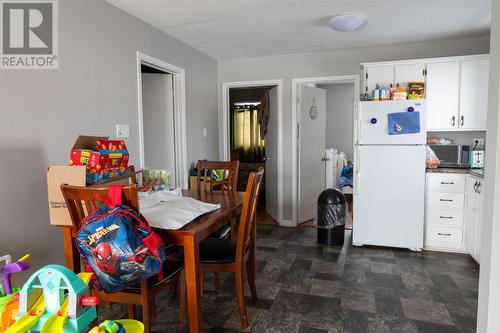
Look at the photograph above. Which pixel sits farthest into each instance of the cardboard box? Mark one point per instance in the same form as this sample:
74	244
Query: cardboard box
104	159
71	175
57	175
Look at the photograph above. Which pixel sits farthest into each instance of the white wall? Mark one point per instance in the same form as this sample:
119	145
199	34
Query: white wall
342	62
42	112
339	117
488	319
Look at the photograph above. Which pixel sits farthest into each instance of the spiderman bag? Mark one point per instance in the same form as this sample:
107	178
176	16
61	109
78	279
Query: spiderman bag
119	245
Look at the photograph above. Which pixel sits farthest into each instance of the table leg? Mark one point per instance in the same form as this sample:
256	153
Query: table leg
192	267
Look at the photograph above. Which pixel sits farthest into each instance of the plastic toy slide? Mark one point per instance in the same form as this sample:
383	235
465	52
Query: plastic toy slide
29	319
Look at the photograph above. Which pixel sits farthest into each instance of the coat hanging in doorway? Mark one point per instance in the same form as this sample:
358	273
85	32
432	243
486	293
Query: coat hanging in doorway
264	114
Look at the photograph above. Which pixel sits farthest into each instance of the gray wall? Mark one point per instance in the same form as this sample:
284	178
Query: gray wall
339	117
342	62
43	111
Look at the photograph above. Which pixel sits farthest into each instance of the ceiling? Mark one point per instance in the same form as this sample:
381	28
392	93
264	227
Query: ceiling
249	28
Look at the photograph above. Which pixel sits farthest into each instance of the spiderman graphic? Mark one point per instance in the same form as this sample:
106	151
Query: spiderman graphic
115	264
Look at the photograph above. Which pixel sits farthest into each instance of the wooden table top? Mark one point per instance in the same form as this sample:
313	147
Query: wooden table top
205	225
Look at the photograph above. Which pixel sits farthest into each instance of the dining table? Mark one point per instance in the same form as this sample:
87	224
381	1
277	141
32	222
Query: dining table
190	236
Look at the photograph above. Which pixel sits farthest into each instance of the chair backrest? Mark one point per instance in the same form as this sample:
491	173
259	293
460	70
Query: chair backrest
82	200
204	174
248	214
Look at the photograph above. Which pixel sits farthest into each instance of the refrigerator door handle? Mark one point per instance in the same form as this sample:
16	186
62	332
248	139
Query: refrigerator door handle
358	169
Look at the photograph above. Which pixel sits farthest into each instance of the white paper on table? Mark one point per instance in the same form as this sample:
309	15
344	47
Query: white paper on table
170	210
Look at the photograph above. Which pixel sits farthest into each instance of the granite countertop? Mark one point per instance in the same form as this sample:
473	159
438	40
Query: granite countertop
473	172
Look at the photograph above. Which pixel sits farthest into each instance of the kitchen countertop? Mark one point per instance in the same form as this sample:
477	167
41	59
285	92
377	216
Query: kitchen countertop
473	172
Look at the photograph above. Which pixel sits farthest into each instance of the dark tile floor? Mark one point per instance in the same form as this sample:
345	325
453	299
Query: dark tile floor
306	287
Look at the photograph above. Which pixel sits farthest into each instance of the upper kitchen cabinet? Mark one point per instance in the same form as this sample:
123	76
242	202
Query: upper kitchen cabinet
443	87
474	93
382	75
404	73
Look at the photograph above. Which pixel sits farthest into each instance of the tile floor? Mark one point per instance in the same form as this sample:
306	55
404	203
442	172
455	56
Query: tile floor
306	287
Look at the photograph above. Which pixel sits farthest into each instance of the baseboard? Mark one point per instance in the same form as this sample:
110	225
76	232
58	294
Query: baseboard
287	223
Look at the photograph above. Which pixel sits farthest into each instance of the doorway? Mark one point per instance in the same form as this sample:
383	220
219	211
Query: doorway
253	118
162	119
324	115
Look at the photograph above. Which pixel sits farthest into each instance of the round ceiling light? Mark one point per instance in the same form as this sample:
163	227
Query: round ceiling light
346	23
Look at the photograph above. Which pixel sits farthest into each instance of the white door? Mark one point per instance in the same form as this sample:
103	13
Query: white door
271	173
405	73
382	75
158	122
389	196
442	91
311	149
373	123
474	75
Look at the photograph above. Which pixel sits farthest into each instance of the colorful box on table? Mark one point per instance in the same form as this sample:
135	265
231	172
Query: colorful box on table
104	159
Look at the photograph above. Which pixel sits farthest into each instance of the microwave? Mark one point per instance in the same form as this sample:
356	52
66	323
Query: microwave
452	156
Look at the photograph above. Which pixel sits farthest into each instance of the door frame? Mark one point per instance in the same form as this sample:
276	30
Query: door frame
355	79
179	95
225	146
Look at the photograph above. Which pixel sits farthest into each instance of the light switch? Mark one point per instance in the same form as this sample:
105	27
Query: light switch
122	131
205	133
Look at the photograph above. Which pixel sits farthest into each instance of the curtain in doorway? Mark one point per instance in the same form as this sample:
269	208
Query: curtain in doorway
247	134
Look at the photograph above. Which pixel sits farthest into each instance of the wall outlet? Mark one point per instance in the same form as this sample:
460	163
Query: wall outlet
122	131
478	144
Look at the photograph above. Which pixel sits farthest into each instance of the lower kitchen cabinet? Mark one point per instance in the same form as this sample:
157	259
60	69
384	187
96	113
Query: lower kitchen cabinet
474	216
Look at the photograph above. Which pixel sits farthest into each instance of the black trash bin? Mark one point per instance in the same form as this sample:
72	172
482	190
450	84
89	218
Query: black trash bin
330	221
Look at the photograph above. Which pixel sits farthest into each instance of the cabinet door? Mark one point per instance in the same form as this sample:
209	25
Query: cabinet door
474	93
382	75
471	216
480	216
442	95
405	73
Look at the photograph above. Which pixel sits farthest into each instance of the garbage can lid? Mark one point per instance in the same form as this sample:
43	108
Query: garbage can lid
331	196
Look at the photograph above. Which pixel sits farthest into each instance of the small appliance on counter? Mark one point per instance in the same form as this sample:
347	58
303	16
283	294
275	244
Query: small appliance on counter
452	156
476	159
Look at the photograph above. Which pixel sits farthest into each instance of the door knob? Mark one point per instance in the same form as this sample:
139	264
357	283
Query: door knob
324	159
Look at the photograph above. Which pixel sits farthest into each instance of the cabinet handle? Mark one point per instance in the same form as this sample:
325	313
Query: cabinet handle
446	217
453	121
441	234
478	185
462	120
446	200
447	183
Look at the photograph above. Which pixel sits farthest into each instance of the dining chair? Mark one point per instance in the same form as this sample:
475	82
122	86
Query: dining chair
80	201
227	255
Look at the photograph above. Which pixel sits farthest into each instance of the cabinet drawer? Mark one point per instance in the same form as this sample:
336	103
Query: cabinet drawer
443	217
446	182
449	201
438	235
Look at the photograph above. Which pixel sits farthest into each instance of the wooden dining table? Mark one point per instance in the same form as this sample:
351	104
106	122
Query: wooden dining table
193	233
189	237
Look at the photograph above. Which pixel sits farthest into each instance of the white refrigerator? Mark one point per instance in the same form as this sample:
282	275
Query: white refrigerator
389	177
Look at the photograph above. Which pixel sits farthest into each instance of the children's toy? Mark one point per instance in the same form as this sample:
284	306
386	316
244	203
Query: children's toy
9	303
119	326
55	300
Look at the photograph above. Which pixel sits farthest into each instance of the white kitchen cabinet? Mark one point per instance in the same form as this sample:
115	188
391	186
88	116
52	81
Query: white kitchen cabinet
474	216
474	75
443	79
382	75
404	73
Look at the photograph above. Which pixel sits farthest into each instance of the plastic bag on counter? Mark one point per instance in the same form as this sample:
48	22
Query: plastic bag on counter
431	159
439	141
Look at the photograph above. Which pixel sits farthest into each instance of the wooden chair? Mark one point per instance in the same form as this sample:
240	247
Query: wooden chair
204	171
224	255
80	201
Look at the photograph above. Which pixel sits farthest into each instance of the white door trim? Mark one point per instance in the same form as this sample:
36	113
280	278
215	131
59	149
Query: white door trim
224	149
296	123
179	85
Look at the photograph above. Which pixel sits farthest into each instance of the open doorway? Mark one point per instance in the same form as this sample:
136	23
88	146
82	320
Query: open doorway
253	142
162	118
325	112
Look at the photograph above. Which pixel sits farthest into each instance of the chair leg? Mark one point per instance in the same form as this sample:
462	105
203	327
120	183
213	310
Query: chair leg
183	299
251	278
202	283
216	282
240	295
131	312
173	287
146	311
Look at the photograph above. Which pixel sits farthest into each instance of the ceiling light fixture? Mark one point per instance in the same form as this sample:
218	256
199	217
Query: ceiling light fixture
346	23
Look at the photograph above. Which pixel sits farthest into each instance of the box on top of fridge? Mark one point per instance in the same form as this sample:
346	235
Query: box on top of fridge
104	159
